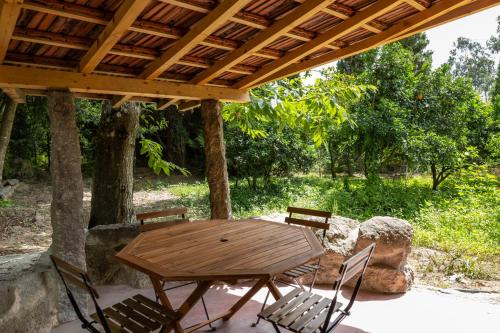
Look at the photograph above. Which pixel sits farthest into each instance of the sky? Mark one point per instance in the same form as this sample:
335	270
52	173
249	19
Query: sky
478	27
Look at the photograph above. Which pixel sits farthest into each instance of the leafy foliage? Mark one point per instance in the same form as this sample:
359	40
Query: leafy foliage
153	151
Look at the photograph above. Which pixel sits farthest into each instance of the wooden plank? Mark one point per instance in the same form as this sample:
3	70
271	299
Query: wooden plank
302	321
299	310
136	316
124	321
199	32
126	14
274	290
342	29
187	106
306	211
42	79
9	12
157	225
166	304
139	307
164	104
268	311
162	213
280	313
400	30
307	223
415	4
295	18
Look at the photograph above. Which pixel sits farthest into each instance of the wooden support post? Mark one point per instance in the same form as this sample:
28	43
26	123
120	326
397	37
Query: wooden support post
5	131
68	230
215	154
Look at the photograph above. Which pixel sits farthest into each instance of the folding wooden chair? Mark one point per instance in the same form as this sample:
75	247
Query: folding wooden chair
137	314
304	269
181	213
305	312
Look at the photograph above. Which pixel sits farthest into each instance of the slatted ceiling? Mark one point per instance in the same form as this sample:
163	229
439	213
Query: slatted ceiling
285	44
93	16
357	34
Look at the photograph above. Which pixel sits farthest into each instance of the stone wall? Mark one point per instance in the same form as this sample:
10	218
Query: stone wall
103	243
27	294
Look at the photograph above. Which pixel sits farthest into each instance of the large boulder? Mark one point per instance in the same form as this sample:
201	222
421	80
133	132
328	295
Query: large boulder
392	237
27	289
388	270
103	243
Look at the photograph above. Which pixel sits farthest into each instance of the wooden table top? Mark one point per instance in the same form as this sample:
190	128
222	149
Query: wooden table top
221	250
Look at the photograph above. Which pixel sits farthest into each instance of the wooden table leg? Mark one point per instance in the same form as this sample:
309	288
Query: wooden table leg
274	290
195	296
243	300
166	303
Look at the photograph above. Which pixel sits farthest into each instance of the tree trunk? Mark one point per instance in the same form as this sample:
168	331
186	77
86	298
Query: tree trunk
112	186
5	131
215	155
333	160
175	137
435	181
68	229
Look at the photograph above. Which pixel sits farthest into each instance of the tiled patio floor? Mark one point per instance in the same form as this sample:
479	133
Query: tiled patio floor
418	311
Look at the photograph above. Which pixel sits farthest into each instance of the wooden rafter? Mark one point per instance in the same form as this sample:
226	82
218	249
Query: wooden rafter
42	79
121	22
203	29
319	42
295	18
398	31
200	31
9	12
417	5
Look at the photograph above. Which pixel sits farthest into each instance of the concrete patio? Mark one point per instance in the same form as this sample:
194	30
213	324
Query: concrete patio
419	310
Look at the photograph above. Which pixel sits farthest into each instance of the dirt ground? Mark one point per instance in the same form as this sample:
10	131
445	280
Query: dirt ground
25	227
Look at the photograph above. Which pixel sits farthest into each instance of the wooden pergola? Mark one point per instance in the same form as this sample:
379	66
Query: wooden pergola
173	51
183	52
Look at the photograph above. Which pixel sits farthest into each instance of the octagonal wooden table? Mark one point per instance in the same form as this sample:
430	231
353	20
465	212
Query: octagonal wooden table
219	250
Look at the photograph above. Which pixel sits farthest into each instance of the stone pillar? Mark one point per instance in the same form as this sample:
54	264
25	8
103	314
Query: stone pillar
5	131
68	230
215	154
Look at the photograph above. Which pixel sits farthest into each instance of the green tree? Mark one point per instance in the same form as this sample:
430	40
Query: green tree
471	59
439	124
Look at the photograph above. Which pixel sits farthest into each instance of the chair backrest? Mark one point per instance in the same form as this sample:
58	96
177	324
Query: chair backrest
308	223
180	212
351	268
71	275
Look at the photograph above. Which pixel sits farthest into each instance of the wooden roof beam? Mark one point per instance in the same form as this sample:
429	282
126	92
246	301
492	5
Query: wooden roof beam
15	94
81	43
9	12
294	18
407	27
124	17
198	33
162	105
417	5
42	79
338	31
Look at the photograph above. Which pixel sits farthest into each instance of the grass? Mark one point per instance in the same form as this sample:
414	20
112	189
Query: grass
462	218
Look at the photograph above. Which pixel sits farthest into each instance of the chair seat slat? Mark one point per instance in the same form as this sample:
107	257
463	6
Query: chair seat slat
136	316
298	311
123	321
295	302
309	315
279	303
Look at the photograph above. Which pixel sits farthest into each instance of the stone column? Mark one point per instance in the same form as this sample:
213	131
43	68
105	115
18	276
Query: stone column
68	231
215	154
5	131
